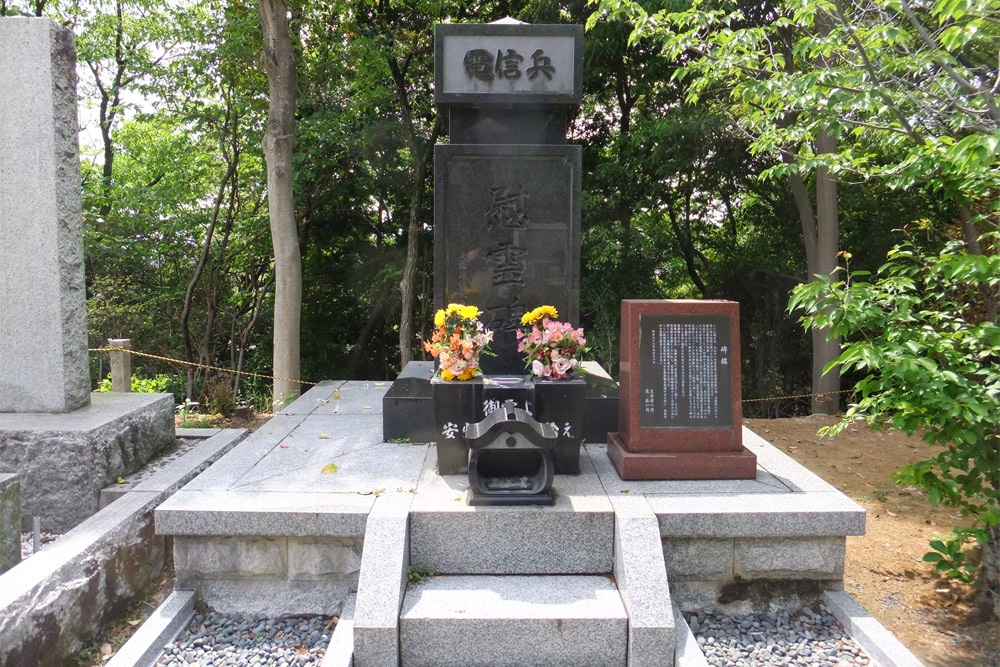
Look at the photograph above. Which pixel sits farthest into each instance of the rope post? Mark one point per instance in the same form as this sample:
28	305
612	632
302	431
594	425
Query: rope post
121	365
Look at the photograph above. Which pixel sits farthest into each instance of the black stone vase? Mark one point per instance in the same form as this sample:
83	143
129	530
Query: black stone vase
561	403
456	403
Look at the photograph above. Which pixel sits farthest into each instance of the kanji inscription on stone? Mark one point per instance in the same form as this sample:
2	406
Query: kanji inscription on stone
685	379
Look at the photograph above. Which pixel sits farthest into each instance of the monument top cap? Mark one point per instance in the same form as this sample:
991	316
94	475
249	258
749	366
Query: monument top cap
508	63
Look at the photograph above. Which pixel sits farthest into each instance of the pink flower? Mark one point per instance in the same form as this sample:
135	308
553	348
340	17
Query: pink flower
538	369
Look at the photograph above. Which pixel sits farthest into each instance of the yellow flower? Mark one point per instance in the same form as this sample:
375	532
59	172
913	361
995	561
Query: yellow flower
470	312
446	374
538	313
454	308
439	318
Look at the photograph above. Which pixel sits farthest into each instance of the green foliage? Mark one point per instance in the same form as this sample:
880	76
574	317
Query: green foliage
931	365
160	384
416	575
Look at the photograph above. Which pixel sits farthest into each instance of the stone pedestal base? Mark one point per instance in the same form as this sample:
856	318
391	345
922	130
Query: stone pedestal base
740	464
64	460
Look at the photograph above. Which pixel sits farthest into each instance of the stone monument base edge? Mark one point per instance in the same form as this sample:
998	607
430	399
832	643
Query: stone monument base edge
737	464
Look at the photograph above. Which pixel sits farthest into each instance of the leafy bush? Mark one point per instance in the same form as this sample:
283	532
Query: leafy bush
931	358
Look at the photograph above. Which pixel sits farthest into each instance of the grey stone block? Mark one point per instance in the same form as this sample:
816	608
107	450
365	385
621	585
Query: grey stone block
269	514
162	626
699	558
880	644
316	396
382	582
354	398
43	321
641	575
208	558
340	652
765	482
514	621
272	598
62	598
64	460
243	458
179	472
758	515
10	521
783	467
740	597
817	558
447	535
312	559
687	653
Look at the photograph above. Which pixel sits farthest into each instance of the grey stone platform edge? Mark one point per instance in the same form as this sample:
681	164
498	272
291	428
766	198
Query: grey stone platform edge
688	653
60	598
382	581
340	652
64	460
880	644
144	647
641	575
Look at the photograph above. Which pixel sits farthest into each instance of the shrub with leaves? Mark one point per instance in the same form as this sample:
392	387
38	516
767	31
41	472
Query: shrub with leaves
931	359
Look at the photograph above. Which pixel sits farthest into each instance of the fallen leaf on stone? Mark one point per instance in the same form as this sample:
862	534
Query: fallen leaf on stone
283	446
324	436
330	468
458	499
134	622
333	622
623	491
380	384
336	397
120	480
340	453
366	407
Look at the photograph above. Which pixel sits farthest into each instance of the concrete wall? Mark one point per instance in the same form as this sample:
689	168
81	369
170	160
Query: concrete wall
269	575
739	574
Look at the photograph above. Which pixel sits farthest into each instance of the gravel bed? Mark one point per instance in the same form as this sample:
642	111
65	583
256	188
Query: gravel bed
214	640
806	637
28	542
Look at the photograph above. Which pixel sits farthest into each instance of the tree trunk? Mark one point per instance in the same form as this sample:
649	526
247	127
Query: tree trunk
278	61
420	154
820	232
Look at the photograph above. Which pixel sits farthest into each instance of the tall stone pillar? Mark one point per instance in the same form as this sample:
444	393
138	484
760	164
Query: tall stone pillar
43	316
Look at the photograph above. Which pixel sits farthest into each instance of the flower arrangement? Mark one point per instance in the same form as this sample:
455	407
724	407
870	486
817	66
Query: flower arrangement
458	340
552	349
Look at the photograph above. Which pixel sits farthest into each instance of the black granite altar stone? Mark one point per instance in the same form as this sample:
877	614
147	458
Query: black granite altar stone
507	236
561	404
511	458
455	403
408	411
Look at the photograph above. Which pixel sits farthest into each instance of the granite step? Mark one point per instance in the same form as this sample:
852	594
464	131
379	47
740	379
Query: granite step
574	536
513	620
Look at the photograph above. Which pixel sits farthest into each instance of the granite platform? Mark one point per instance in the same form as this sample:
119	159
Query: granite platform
280	525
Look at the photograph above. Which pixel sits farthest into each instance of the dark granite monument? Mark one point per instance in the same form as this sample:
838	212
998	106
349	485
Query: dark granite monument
680	405
507	225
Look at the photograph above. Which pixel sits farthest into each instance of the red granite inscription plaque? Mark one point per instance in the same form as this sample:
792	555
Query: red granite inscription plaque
679	410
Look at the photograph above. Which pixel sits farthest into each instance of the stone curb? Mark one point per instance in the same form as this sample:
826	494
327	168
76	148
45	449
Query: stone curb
641	575
340	652
162	627
880	644
687	653
382	580
41	597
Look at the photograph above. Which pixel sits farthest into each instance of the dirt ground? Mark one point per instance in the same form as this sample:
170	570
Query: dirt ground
935	618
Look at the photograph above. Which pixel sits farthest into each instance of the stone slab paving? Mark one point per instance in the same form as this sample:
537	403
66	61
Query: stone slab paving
513	620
